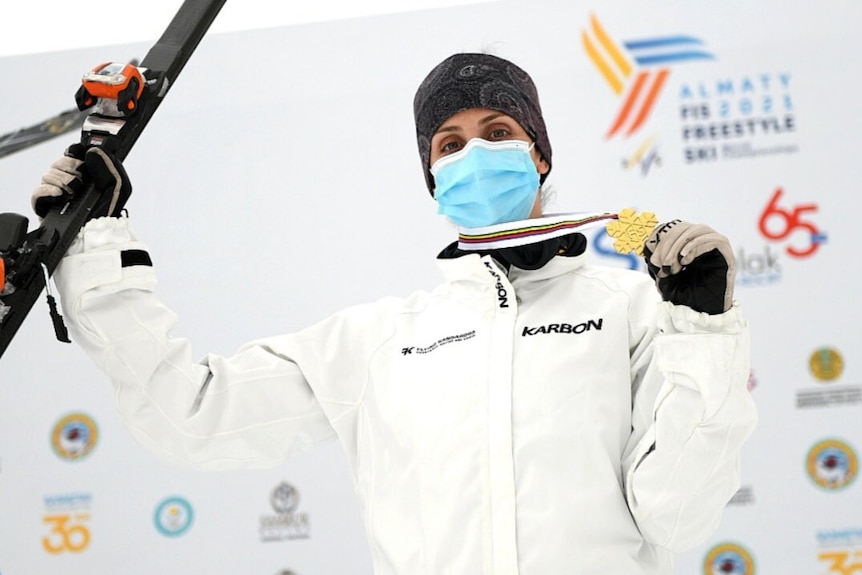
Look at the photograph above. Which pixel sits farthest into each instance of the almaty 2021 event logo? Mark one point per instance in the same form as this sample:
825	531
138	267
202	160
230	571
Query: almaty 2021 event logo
743	114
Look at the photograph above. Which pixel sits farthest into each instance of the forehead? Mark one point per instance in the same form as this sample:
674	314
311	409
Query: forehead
472	118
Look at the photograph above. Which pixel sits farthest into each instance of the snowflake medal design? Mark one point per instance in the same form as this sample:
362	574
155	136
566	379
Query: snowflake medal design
630	230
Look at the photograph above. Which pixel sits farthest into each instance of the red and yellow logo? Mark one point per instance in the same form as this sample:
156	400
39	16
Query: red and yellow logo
832	464
74	436
728	559
636	70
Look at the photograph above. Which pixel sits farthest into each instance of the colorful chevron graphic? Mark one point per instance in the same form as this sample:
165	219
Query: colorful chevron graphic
637	71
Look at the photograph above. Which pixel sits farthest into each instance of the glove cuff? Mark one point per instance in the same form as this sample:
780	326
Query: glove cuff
683	319
101	234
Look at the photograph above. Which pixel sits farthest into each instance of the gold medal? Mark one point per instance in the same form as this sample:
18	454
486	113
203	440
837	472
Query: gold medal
630	230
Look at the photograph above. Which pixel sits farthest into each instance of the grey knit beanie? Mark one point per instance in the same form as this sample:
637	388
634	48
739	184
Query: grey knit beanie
465	81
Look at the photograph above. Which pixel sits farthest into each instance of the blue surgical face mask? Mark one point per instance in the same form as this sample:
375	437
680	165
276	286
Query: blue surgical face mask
486	183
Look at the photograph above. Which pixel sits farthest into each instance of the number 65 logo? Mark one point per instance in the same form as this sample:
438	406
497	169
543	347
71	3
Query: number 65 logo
777	223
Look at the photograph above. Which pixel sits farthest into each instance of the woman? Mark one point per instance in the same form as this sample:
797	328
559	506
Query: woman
533	414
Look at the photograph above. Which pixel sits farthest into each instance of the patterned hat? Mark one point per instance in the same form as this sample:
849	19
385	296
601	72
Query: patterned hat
465	81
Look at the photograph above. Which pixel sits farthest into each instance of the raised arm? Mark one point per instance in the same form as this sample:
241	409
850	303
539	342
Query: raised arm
252	409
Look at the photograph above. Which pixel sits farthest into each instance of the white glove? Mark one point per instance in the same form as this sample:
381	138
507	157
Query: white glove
692	265
73	171
59	184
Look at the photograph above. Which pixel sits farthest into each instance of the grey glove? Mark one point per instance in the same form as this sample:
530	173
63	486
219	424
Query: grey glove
692	265
70	174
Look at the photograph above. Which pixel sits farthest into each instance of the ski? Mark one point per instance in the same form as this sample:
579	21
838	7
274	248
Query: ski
27	259
26	137
23	138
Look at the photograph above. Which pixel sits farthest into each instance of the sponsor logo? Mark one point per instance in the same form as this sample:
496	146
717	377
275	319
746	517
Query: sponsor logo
287	523
841	550
603	244
564	328
789	231
74	436
502	293
757	267
832	464
826	365
746	116
778	224
665	228
284	498
66	517
728	559
173	516
636	70
645	157
740	116
414	350
840	537
846	396
842	562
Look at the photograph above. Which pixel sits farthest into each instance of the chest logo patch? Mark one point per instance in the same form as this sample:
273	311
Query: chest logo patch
566	328
439	343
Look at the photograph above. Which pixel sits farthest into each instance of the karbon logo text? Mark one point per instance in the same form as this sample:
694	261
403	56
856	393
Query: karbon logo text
564	328
502	293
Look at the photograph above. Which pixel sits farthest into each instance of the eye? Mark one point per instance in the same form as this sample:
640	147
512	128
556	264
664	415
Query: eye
499	134
449	146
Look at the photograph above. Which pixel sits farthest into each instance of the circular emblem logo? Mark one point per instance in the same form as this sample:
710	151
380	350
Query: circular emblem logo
826	364
832	464
284	498
728	559
173	516
74	436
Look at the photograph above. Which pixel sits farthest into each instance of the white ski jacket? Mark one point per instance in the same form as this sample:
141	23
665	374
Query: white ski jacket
562	420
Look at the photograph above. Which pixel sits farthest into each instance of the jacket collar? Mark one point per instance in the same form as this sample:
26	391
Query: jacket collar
536	261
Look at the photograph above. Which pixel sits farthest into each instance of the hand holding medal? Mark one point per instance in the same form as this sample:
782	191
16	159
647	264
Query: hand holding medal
692	264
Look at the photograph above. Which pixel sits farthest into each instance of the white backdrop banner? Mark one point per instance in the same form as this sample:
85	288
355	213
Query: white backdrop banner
280	182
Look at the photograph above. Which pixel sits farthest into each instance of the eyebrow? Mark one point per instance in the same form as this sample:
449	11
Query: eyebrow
456	128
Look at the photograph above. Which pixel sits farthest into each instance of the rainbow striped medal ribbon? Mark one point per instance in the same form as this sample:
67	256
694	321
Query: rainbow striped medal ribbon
629	229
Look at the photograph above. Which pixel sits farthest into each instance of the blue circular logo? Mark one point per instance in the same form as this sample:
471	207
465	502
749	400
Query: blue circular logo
173	516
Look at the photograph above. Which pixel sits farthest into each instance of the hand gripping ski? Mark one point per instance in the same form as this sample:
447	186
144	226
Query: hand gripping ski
122	99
